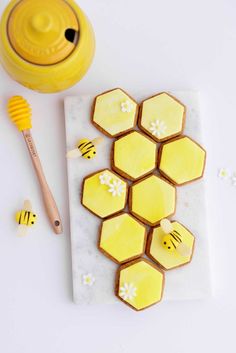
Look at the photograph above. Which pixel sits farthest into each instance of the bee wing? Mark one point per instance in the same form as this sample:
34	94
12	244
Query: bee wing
27	206
166	226
22	230
97	140
74	154
184	250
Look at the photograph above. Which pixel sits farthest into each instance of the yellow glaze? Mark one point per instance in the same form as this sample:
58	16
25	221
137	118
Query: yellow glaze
182	160
165	109
147	280
134	155
41	31
122	238
34	49
170	259
98	199
153	199
108	114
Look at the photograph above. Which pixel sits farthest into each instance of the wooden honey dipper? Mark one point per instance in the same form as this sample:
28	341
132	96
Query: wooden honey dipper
20	114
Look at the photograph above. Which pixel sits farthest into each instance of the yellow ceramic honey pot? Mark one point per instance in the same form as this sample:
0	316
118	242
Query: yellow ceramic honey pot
46	45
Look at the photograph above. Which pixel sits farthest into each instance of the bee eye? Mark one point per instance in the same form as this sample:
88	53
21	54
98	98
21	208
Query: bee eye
34	215
32	222
164	242
168	247
94	152
89	157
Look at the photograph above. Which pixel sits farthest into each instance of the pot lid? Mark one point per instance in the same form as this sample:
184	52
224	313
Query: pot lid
43	32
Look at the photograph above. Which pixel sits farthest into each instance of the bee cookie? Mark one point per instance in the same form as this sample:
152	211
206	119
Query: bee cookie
85	148
162	117
25	218
115	112
140	284
104	193
170	245
134	155
152	199
182	160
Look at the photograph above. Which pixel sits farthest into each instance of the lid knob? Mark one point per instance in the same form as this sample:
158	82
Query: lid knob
41	22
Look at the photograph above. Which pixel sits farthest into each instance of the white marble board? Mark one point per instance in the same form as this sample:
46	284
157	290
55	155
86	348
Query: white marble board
186	283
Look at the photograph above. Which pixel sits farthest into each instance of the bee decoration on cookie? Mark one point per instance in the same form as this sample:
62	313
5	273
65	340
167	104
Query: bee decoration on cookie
25	218
173	241
85	148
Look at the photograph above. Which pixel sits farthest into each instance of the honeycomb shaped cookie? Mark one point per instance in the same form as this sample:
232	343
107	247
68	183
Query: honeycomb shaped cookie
139	284
152	199
170	259
104	193
182	160
162	117
115	112
134	155
122	238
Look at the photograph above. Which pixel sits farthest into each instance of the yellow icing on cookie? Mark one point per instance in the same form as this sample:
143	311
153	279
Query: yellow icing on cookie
115	112
162	116
104	193
152	199
134	155
122	238
140	284
170	259
182	160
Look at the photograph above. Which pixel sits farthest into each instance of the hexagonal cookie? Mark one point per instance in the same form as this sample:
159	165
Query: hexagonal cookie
162	117
104	193
170	259
139	284
115	112
134	155
152	199
182	160
122	238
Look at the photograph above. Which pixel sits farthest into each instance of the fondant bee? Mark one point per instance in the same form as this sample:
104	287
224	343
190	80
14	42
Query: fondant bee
173	239
25	218
85	148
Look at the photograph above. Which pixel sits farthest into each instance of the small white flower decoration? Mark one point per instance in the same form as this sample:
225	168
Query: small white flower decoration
88	279
105	178
223	173
233	179
158	128
127	107
116	187
128	291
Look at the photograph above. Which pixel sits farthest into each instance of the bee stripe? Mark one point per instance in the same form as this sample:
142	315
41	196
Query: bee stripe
175	231
20	218
28	213
84	154
25	216
89	143
81	144
176	237
173	244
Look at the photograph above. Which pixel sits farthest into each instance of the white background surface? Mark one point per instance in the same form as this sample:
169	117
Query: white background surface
153	45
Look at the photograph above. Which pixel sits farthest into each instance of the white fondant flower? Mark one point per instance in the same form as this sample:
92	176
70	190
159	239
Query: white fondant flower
105	178
88	279
223	173
128	291
233	179
116	187
127	107
158	128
